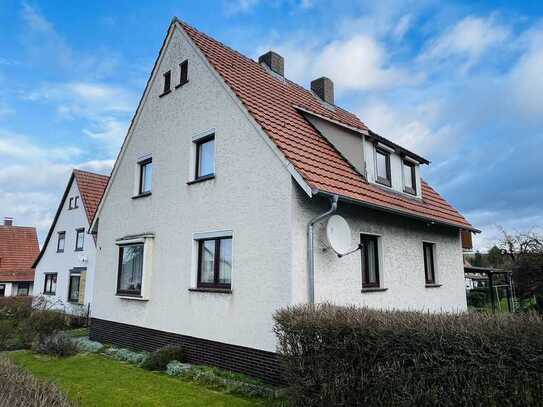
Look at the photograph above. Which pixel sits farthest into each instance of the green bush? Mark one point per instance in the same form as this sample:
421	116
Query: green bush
125	355
347	356
20	389
159	359
477	298
41	324
15	308
58	344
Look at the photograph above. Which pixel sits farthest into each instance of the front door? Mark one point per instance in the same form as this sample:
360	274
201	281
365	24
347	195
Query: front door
2	290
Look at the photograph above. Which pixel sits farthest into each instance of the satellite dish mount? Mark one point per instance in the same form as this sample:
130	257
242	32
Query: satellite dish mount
338	234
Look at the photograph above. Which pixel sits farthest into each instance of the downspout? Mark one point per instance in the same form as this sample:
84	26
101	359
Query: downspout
311	248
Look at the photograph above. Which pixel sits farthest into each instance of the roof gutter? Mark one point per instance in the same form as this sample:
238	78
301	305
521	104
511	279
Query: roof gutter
311	247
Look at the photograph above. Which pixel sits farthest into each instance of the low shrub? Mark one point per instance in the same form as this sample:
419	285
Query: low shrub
86	345
7	331
125	355
477	298
159	359
15	308
58	344
347	356
40	324
20	389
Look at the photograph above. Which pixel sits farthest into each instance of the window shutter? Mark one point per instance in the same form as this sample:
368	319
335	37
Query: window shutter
82	282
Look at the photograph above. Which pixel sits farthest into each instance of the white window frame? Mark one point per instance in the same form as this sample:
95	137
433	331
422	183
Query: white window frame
137	169
194	150
146	275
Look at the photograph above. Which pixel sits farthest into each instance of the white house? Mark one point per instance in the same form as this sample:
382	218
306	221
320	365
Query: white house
215	213
65	266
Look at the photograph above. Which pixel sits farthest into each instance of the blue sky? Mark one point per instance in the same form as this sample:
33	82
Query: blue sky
458	82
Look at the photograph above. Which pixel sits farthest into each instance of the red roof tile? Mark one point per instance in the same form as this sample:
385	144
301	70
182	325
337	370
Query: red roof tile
18	250
273	104
92	187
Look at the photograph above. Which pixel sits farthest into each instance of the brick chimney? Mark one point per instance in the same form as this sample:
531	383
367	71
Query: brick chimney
274	61
8	221
324	88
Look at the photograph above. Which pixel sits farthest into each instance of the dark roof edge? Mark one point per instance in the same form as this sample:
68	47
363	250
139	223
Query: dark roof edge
397	211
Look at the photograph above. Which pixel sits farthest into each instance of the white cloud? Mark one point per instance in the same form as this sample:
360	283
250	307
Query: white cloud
233	7
109	131
403	25
16	146
468	40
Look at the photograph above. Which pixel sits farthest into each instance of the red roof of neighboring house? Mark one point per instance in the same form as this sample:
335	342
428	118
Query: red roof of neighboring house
274	103
92	187
18	250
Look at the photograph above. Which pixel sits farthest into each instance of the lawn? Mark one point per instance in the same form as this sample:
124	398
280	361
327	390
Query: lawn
95	380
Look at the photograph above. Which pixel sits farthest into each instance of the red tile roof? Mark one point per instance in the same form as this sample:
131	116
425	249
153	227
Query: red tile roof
18	250
92	187
273	103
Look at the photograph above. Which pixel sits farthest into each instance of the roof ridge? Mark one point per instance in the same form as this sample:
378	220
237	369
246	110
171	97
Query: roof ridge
90	172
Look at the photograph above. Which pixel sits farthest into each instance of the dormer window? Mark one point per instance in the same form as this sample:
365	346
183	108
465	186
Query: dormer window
409	179
167	83
382	163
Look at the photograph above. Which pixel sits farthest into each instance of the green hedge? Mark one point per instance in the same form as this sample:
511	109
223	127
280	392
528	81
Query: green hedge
347	356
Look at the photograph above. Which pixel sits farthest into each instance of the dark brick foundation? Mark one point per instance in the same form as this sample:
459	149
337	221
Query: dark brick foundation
253	362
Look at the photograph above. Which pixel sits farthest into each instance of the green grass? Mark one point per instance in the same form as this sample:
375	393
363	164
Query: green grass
94	380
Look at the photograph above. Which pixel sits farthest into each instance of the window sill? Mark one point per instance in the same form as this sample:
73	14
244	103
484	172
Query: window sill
50	294
131	297
373	290
165	93
142	195
78	250
212	290
410	191
181	84
75	302
60	251
433	285
384	182
201	179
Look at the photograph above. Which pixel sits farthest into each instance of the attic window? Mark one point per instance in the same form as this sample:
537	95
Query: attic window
183	73
167	83
382	162
409	180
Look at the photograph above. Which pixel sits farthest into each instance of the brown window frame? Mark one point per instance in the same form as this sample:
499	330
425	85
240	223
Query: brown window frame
216	264
410	189
143	164
73	275
364	262
46	279
63	234
199	144
77	232
385	181
70	204
25	284
183	73
76	201
167	83
433	269
128	293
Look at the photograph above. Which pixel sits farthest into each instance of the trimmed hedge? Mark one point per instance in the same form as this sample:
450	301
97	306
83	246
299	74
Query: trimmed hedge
348	356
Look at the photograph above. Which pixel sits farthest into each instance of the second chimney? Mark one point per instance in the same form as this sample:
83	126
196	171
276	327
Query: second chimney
324	88
8	221
274	61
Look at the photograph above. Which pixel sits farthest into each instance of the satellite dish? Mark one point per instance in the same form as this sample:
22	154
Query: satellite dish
338	233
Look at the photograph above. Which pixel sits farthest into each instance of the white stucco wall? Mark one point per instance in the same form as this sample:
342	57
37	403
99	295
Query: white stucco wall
251	195
62	263
339	280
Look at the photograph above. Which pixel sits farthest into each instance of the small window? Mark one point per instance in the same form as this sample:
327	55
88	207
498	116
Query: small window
205	157
409	180
370	261
167	82
383	166
23	288
2	290
73	290
50	286
429	263
146	176
183	72
130	269
215	263
71	204
79	239
61	241
76	202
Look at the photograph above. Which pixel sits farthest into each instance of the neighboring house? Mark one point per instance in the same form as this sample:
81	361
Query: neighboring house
209	219
18	250
65	265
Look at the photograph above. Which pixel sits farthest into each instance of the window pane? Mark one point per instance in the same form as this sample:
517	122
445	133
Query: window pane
407	176
74	288
206	158
60	246
372	262
146	177
225	265
382	168
80	239
429	263
207	261
131	268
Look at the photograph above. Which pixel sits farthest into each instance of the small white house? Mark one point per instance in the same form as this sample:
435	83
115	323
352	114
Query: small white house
65	266
215	213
